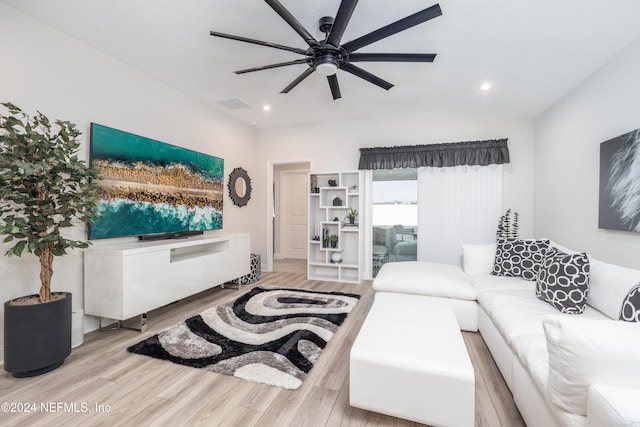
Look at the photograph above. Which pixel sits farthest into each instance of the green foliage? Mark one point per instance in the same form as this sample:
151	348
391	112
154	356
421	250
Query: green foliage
44	187
333	238
352	213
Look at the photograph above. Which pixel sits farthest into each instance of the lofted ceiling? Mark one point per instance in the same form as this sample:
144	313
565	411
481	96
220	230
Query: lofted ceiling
532	52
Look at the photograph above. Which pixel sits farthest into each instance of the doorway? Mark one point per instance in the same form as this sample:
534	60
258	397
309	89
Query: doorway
288	204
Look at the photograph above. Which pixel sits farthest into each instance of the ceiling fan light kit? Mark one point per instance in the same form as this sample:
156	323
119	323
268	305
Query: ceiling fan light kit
328	56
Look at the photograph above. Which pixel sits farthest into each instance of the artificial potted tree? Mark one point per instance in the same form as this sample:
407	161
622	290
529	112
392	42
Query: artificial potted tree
44	188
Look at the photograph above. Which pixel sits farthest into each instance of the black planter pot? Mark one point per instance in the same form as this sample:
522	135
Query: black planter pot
37	338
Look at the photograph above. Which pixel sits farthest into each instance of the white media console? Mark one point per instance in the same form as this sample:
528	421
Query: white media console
122	281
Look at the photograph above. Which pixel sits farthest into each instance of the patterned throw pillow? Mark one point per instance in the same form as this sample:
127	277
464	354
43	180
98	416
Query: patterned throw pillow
630	311
519	258
563	281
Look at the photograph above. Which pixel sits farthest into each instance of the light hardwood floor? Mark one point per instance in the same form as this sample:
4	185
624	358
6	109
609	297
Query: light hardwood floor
104	385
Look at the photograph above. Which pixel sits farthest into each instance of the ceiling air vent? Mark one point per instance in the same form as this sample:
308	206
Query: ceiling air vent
233	103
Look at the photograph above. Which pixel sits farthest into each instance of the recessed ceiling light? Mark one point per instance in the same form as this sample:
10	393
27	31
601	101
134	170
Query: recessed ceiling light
266	107
486	87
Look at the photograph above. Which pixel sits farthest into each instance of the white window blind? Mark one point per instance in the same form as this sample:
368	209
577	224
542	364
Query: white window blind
457	205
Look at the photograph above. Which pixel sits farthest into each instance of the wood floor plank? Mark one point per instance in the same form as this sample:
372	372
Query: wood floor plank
221	404
241	416
142	391
191	401
316	408
496	389
485	413
260	397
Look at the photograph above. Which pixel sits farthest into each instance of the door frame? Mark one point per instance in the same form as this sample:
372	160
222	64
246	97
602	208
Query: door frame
271	164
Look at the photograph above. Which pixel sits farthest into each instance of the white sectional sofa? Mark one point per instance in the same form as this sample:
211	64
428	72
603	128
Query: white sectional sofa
563	369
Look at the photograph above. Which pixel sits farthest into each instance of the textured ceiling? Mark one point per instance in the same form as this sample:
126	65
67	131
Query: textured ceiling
532	52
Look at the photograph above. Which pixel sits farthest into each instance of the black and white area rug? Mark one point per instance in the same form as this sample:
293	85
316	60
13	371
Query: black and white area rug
268	335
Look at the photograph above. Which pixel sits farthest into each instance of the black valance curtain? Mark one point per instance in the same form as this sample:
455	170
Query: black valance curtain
494	151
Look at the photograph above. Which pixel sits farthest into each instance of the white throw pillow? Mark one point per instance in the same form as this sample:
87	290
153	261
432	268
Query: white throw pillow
478	258
425	278
583	352
609	285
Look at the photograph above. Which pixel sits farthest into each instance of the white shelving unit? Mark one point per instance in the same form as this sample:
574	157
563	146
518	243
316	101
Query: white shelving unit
328	207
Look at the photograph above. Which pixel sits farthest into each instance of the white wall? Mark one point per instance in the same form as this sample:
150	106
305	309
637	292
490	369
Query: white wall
42	69
567	144
335	146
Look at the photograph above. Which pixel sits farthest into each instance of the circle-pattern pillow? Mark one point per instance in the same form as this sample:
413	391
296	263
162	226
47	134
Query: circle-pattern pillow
519	258
630	311
563	281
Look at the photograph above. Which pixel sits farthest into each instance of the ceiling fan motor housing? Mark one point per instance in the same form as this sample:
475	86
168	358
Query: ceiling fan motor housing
327	59
325	23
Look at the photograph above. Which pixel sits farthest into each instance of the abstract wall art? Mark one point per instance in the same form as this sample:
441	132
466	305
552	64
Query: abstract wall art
620	183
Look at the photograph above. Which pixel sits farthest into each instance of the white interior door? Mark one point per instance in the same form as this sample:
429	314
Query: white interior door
293	214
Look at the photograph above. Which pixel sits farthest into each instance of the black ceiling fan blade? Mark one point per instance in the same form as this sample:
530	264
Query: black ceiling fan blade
393	28
298	79
340	22
357	71
293	22
258	42
267	67
335	88
392	57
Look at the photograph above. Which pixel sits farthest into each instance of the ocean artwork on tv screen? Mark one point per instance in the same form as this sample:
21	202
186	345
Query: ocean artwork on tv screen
150	187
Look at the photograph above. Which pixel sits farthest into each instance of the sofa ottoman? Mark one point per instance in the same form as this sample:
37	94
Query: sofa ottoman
444	281
409	361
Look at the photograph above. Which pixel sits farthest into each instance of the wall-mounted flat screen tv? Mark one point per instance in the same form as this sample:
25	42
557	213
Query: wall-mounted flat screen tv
150	188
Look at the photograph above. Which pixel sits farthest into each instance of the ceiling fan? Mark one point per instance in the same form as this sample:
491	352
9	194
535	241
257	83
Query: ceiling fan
329	55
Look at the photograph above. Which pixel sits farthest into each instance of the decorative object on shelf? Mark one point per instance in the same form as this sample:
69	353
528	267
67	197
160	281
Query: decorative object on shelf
314	184
333	240
352	214
239	187
44	188
336	257
325	238
335	219
229	349
332	183
336	201
508	226
353	189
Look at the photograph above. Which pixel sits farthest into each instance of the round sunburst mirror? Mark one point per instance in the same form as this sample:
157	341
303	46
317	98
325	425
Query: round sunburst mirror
239	187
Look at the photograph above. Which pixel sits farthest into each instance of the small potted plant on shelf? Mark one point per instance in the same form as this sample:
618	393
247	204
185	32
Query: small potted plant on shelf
44	188
352	214
333	240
